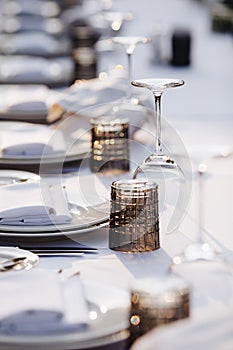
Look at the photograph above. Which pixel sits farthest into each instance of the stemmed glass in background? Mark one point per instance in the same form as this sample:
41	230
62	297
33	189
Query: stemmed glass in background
129	43
202	266
128	106
200	249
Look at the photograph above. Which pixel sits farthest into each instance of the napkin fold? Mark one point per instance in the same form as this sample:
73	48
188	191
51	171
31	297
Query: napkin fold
28	204
37	301
31	140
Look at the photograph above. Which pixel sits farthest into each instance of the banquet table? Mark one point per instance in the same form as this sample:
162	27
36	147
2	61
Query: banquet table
200	114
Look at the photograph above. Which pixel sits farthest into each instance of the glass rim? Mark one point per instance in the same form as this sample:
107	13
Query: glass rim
134	185
108	121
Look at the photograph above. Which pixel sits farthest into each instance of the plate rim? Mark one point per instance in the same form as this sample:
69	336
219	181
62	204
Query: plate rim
54	234
44	159
21	174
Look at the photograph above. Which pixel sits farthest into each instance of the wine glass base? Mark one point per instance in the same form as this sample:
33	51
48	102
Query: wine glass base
195	252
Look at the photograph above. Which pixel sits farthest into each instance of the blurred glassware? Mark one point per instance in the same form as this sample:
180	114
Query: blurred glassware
222	16
156	302
109	23
84	38
109	145
200	249
101	19
129	44
129	106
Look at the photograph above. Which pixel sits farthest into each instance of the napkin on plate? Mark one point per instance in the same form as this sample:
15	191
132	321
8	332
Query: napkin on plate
24	69
24	99
31	140
28	204
37	301
34	43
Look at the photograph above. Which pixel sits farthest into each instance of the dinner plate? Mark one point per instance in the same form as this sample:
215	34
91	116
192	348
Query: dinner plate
108	311
12	176
87	218
14	252
77	149
52	235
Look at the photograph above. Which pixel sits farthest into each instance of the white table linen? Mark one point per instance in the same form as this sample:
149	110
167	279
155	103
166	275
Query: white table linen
200	112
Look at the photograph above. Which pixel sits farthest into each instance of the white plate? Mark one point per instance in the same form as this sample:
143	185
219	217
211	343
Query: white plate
13	252
78	150
84	218
11	176
88	217
49	235
113	318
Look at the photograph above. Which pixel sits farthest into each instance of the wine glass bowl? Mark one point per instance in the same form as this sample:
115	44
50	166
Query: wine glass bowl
158	85
129	42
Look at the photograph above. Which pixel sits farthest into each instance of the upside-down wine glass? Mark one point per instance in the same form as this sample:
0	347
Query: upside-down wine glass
200	249
129	43
159	159
201	265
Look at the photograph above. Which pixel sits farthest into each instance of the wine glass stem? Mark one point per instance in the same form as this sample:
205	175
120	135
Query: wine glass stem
200	207
157	98
129	90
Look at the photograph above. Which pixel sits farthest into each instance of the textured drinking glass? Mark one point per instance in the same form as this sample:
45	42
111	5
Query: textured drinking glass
109	145
134	216
156	302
